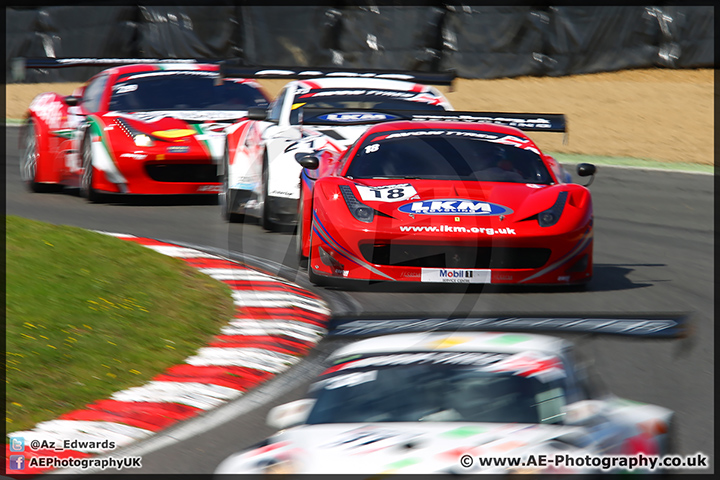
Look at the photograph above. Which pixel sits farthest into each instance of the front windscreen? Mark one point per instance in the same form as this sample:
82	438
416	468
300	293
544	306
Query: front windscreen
169	90
449	389
440	154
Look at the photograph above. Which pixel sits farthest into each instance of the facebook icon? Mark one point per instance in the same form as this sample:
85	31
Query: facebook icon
17	462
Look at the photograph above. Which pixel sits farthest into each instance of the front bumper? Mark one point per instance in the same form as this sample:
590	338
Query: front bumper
563	258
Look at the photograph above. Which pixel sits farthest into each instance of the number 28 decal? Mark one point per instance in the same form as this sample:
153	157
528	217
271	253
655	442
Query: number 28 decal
386	193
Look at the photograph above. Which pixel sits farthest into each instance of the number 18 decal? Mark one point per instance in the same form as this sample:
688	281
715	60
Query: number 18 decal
386	193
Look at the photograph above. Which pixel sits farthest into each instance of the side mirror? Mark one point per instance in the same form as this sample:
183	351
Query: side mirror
257	113
583	412
586	170
71	101
290	414
309	161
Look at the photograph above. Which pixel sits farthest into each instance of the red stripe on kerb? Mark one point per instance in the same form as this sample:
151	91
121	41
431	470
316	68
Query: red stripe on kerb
149	242
269	346
188	371
175	411
220	340
147	422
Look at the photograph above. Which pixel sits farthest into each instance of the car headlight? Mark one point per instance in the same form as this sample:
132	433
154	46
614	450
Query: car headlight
551	216
359	210
140	139
143	140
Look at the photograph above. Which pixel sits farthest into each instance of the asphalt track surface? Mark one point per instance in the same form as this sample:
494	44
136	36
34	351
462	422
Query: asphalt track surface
654	254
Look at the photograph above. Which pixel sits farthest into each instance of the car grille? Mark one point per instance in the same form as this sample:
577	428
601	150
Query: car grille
182	173
453	256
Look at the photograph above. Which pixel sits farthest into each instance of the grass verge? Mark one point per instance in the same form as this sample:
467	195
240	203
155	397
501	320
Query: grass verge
88	314
632	162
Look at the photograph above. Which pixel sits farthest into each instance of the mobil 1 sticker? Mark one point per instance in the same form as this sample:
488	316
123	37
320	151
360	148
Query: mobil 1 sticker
455	275
386	193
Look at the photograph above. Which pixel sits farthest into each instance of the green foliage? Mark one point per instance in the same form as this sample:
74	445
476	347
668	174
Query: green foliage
88	314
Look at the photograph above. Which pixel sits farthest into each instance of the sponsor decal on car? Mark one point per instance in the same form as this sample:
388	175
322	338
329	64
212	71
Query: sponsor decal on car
357	117
457	229
455	206
459	275
178	149
386	193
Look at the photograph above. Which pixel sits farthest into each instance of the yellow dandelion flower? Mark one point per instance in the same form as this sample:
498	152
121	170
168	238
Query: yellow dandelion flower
111	343
51	346
134	371
111	375
48	243
17	404
87	326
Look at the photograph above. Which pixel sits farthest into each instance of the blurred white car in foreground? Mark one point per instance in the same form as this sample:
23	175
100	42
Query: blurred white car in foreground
445	402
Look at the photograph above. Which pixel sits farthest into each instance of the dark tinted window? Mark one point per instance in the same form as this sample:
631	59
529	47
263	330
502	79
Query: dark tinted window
431	154
169	90
435	393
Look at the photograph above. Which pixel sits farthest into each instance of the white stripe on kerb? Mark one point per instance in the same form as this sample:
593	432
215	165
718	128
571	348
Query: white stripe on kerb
239	274
118	235
278	299
86	430
195	394
258	358
180	252
299	330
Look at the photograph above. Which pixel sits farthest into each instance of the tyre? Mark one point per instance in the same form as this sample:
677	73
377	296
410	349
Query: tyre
86	181
29	162
226	197
266	215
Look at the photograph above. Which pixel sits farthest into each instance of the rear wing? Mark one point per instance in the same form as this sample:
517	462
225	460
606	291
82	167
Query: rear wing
543	122
657	326
41	63
228	69
20	65
539	122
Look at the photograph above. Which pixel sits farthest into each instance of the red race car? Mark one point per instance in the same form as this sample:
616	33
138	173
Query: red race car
458	197
150	128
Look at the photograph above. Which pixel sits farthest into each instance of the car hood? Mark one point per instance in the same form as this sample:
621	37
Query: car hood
186	115
399	447
204	127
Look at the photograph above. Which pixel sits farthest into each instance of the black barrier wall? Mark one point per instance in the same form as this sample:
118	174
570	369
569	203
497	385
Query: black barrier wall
475	41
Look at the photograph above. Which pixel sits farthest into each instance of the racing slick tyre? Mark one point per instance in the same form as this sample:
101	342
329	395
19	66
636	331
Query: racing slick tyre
226	197
265	215
29	160
86	181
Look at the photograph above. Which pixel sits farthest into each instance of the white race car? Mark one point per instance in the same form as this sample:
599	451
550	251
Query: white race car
260	171
455	403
